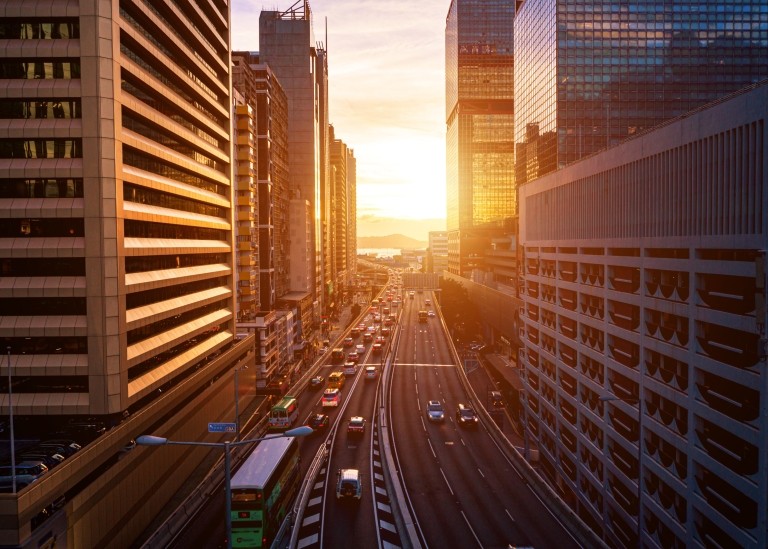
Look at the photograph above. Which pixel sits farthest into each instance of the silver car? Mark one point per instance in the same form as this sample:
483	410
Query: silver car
435	411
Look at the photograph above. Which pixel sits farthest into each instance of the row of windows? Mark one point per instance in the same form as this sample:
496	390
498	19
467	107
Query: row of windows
152	164
39	69
144	195
42	306
14	227
152	330
143	229
161	262
46	384
15	28
41	188
69	345
40	108
139	299
41	148
39	266
155	361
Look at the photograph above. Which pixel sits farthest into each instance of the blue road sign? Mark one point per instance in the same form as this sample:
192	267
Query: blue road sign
222	427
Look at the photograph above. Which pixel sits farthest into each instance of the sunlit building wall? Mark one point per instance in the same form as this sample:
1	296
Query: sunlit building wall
343	220
287	45
589	74
438	252
116	232
480	179
352	209
644	330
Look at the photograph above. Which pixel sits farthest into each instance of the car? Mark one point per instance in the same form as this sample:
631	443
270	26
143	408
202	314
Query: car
350	368
353	357
381	339
370	372
427	302
348	342
376	349
435	411
26	471
367	337
64	448
47	456
331	397
356	426
319	422
466	416
385	332
355	333
431	313
360	350
316	382
349	485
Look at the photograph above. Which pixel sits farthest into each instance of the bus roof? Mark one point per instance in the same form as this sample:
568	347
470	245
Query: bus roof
262	462
284	402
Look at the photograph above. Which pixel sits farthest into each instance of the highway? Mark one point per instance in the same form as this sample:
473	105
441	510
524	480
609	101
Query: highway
462	489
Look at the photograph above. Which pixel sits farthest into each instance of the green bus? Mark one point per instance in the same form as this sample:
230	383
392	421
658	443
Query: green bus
284	413
263	491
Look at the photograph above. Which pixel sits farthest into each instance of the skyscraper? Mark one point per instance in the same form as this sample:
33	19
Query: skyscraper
116	245
287	44
589	74
479	125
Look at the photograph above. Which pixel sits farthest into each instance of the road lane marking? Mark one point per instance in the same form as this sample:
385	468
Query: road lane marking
510	515
434	455
481	473
470	529
446	481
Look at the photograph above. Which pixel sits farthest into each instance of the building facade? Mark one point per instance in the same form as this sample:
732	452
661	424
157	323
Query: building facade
644	339
479	89
437	258
342	229
588	75
287	44
117	294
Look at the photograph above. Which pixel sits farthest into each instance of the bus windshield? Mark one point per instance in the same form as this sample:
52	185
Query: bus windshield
284	413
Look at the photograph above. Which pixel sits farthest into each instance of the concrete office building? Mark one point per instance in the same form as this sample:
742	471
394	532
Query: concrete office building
644	335
343	222
481	198
287	44
437	258
589	74
117	283
270	173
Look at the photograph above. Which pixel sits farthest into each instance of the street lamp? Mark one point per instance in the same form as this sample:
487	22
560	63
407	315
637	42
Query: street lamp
237	403
150	440
639	459
10	420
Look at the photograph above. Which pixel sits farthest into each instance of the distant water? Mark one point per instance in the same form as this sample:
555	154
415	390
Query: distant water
379	252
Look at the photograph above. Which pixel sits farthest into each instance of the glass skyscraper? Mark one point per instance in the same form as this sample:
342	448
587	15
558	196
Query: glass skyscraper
479	74
589	74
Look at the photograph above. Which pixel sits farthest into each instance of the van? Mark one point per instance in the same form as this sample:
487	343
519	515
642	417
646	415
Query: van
336	380
349	484
496	400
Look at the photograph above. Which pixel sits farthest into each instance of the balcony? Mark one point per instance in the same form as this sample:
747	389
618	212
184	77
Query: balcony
728	345
733	504
723	446
624	279
730	294
730	398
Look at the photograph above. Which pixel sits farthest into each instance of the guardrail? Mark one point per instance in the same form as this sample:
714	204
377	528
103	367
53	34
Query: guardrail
306	490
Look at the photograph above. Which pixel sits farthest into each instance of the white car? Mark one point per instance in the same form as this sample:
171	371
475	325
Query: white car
360	350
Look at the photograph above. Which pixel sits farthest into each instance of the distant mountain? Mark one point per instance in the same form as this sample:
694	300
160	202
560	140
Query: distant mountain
390	241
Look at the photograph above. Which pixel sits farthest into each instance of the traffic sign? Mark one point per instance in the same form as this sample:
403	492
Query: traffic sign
222	427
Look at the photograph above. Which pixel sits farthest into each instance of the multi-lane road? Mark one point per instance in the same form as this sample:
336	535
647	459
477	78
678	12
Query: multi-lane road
454	485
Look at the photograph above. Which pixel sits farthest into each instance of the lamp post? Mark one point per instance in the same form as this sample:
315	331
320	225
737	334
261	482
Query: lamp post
237	403
639	459
10	420
149	440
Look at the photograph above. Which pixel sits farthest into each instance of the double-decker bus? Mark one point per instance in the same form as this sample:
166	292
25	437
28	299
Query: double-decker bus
263	491
284	413
423	316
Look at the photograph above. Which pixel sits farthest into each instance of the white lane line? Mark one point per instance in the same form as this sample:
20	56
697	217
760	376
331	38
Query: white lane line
471	530
510	515
446	481
434	455
311	540
481	473
311	519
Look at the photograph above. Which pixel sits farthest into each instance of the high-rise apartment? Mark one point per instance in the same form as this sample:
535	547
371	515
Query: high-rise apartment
437	257
343	223
644	331
589	74
116	252
287	44
481	198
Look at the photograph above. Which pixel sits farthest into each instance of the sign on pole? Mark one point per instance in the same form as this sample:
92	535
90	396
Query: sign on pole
222	427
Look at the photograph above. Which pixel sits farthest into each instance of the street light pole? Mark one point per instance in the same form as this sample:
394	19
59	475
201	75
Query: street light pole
149	440
639	402
10	419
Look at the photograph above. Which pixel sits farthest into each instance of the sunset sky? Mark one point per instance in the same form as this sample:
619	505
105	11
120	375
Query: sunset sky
387	101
